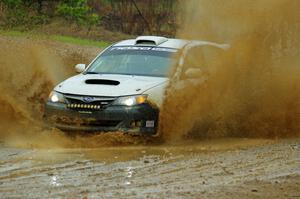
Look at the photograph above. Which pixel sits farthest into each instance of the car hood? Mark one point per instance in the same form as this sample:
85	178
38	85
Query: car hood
108	85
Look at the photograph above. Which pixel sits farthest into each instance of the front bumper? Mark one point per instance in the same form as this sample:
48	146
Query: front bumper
138	119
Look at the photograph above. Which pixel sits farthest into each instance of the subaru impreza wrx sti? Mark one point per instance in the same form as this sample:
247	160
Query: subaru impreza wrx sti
122	89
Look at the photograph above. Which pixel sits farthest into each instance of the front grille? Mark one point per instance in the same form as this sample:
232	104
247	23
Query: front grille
86	122
77	102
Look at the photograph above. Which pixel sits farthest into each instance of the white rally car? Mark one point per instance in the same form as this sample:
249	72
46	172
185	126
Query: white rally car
123	88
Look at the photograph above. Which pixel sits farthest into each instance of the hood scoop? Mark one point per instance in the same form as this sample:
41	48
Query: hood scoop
102	82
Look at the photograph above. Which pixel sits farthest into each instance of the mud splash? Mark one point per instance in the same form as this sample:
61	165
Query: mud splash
27	72
253	88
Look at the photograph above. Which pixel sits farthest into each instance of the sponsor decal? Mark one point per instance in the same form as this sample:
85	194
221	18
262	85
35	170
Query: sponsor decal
150	123
144	48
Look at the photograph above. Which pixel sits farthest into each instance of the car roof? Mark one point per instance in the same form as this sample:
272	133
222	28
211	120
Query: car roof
164	42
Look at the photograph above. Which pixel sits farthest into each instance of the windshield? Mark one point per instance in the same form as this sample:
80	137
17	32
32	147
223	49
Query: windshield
134	60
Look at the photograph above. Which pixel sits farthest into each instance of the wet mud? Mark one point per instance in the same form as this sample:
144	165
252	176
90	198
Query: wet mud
230	168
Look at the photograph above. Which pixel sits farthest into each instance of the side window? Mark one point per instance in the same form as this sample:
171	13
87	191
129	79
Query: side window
194	57
201	60
193	62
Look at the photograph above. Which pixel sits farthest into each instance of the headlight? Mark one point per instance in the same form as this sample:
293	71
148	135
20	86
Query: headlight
131	100
56	97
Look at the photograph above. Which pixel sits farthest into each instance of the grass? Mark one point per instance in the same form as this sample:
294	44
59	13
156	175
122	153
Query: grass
59	38
78	41
13	33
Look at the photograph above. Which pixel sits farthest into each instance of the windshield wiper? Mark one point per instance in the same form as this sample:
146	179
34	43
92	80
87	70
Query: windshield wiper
90	72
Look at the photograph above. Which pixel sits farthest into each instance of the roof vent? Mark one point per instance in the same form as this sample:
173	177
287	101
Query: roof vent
150	40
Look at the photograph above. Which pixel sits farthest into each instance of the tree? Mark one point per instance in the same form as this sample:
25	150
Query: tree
77	11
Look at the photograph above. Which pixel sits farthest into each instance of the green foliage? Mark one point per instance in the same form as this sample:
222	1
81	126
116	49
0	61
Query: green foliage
23	12
77	11
127	16
11	3
92	19
59	38
15	13
39	19
30	12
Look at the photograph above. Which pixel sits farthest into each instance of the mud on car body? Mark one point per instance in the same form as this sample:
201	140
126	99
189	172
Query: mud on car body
121	89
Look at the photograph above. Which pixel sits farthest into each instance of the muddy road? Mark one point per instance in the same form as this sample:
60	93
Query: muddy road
224	168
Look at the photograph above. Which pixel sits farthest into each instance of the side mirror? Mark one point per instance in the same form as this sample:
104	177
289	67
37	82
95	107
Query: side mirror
80	68
193	73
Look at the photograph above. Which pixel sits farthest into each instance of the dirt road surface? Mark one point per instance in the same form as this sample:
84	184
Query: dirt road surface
227	168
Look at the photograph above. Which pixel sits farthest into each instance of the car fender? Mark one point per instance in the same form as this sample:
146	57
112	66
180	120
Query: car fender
156	94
